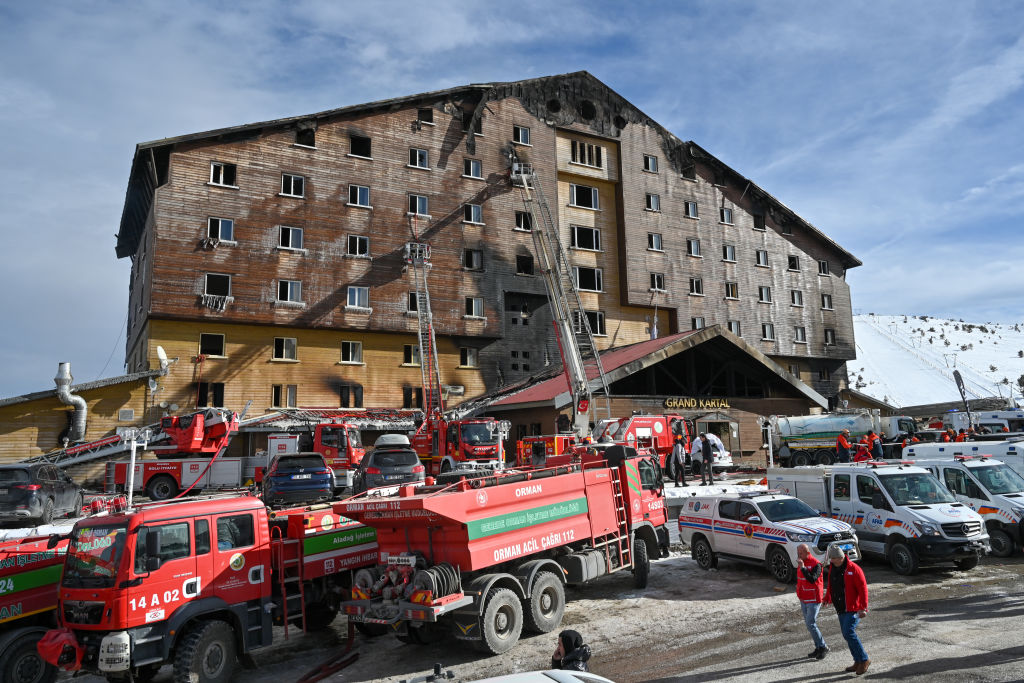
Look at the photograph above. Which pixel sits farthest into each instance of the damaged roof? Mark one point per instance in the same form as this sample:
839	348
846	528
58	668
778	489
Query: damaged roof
626	360
611	113
301	419
83	386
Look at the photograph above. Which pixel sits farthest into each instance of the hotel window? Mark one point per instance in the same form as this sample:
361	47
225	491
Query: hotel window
692	247
473	213
650	163
475	306
350	396
359	195
524	265
289	290
764	294
418	158
285	348
418	205
800	335
360	146
351	352
652	202
830	337
762	257
223	174
768	331
734	327
697	323
582	237
211	344
759	221
826	302
469	357
691	209
410	354
725	215
521	135
583	196
472	168
588	279
290	238
794	263
284	395
222	229
729	253
524	221
654	241
292	185
796	297
412	302
473	259
595	319
359	297
823	268
587	154
732	290
657	282
358	245
696	286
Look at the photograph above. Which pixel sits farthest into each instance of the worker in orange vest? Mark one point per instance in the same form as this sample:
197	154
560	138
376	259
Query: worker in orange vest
962	436
843	446
947	436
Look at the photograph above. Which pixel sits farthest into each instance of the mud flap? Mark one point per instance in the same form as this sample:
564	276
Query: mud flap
662	532
468	625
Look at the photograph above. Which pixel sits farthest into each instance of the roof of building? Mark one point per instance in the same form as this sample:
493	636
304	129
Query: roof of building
83	386
149	164
625	360
299	419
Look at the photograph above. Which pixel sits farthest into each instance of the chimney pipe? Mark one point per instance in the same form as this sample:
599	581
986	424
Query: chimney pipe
63	381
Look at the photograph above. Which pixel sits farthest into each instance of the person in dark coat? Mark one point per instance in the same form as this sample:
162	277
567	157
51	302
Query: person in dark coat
875	445
709	458
571	654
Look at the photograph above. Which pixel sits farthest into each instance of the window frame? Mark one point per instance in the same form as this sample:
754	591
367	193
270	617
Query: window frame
224	166
650	163
696	286
288	181
473	214
358	192
799	334
734	323
223	345
478	259
827	298
691	210
469	357
725	215
830	336
220	225
206	283
660	240
357	240
283	350
291	288
574	192
764	294
517	135
759	261
589	152
658	282
415	210
796	298
523	218
732	290
574	241
698	323
352	140
598	278
793	263
652	202
355	352
468	164
411	356
291	232
288	392
531	270
767	331
418	155
357	289
474	307
823	268
693	247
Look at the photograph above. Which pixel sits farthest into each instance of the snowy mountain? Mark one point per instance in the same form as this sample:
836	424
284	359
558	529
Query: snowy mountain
909	360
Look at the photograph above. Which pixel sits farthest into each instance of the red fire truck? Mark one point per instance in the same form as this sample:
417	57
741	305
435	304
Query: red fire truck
656	433
491	556
199	583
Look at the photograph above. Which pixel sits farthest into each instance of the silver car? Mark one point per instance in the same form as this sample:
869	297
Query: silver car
391	462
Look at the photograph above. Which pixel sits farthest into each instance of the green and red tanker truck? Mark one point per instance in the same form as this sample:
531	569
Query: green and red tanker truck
482	559
198	584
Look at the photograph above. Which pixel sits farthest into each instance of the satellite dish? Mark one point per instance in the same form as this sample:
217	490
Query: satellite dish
153	386
163	404
174	407
162	355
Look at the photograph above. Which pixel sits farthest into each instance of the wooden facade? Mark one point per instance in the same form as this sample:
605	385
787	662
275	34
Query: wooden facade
360	169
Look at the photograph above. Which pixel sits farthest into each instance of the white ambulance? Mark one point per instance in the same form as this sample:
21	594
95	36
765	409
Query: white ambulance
900	512
758	527
992	489
1010	451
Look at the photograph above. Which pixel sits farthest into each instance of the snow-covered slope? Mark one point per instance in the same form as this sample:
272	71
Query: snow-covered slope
909	360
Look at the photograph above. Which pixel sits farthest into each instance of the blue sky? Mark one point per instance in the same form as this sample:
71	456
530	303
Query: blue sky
893	127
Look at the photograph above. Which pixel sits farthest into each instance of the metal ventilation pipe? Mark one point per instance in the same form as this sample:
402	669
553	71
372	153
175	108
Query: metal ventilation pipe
63	381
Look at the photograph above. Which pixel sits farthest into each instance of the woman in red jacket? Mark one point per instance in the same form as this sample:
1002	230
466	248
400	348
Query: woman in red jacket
847	589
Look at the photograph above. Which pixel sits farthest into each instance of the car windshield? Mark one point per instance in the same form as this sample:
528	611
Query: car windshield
13	476
353	438
911	488
333	437
301	462
479	434
610	431
395	458
93	555
999	479
786	509
906	426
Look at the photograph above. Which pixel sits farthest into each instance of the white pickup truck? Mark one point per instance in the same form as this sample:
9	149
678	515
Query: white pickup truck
758	527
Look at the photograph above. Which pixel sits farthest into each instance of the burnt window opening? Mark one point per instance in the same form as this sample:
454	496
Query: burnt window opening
284	395
351	396
223	174
554	106
360	146
587	110
211	344
210	395
759	223
524	265
218	285
690	172
412	397
306	137
425	115
478	126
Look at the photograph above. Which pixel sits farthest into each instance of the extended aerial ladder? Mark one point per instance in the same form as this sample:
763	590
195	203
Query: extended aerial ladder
417	256
580	356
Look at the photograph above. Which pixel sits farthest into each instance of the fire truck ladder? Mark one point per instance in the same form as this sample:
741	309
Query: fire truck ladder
417	255
582	360
93	450
290	576
618	542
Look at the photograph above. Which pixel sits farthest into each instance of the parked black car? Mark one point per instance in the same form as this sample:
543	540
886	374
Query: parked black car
391	462
36	493
297	478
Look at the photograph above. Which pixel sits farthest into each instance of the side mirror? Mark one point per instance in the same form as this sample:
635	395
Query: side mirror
152	549
754	520
53	541
878	502
152	564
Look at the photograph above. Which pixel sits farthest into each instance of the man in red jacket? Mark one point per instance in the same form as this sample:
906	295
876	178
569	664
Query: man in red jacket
810	593
847	589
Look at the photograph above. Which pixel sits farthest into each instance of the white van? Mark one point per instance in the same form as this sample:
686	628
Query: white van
1010	451
900	512
992	489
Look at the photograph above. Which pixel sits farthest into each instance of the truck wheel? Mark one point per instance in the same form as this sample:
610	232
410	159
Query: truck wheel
903	559
206	655
801	459
703	555
21	663
1002	543
967	564
161	487
780	566
372	630
641	563
319	616
502	622
695	468
825	456
670	468
543	611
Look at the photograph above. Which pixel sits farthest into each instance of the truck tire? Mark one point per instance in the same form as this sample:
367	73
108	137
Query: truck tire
703	555
372	630
967	564
670	468
1002	543
695	467
21	663
825	456
801	459
641	563
543	610
502	622
161	487
779	565
206	654
903	559
319	616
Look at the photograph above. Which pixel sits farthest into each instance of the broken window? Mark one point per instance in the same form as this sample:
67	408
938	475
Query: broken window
351	352
222	174
794	262
358	245
285	348
595	319
587	154
475	306
652	202
473	259
290	238
210	395
358	297
218	285
588	279
696	286
412	397
472	168
654	241
583	237
650	163
351	396
478	127
658	282
521	135
524	221
211	344
410	354
289	290
359	195
222	229
583	196
284	395
469	357
425	115
693	246
690	172
292	185
691	209
473	213
412	303
418	205
306	137
759	221
524	265
418	158
360	146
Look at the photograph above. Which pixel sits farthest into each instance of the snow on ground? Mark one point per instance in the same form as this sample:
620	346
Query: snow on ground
909	360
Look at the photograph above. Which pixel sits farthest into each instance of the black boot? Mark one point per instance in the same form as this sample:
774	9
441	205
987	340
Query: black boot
822	651
814	655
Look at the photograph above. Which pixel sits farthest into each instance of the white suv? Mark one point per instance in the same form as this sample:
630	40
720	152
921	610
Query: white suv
759	527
